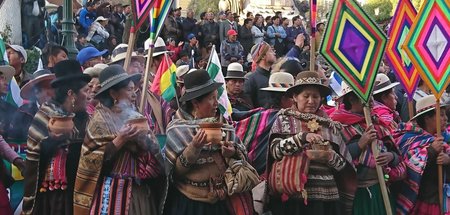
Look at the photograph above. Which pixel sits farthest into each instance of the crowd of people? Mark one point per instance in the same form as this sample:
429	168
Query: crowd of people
293	145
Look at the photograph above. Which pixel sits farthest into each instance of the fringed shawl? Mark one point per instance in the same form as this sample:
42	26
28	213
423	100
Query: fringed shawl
180	133
102	129
254	132
413	143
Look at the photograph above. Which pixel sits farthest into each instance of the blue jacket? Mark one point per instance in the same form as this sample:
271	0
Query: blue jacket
292	33
86	19
272	30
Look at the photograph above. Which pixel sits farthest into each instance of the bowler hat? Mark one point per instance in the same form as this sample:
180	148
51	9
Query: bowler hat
113	75
68	71
198	83
39	76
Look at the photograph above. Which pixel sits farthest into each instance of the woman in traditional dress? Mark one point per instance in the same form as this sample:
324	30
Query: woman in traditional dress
208	177
120	159
254	130
385	102
423	152
53	146
359	137
298	130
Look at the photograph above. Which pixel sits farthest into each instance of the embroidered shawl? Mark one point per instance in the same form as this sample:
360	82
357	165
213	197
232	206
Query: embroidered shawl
41	149
354	126
413	143
101	130
290	122
254	132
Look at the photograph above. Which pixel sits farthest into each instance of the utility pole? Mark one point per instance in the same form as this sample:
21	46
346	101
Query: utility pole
68	29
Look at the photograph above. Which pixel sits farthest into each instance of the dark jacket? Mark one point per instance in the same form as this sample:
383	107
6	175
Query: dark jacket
171	29
189	27
188	49
21	121
240	102
246	39
292	33
257	80
118	22
210	32
6	112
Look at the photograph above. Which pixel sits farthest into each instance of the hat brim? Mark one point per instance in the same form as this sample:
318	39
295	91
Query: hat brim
390	86
324	90
133	77
70	78
155	54
8	72
27	89
195	94
235	77
122	56
428	110
275	89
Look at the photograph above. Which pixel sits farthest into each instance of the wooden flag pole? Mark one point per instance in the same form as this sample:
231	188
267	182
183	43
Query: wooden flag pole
312	57
146	74
130	48
410	108
438	134
380	174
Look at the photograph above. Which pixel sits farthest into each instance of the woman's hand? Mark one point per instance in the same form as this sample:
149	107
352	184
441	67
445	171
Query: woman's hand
368	136
199	139
438	144
228	149
126	133
314	138
384	158
443	159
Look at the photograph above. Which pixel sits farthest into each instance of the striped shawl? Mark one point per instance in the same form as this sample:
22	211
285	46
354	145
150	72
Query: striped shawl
413	143
254	132
101	130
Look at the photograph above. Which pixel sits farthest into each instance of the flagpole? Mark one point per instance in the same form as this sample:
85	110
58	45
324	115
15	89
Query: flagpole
438	134
131	42
210	57
312	44
380	174
147	73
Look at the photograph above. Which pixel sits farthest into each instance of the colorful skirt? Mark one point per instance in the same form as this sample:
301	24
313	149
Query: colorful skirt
297	206
178	204
422	208
369	201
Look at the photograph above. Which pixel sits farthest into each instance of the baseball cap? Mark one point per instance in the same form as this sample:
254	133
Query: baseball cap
19	49
232	32
88	53
190	36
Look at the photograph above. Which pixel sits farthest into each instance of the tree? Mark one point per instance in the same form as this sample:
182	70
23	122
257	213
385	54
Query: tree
379	10
200	6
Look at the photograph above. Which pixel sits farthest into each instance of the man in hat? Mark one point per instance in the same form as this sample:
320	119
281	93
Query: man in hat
90	56
263	58
235	88
94	86
97	32
37	92
137	62
227	25
231	51
192	47
6	109
17	57
158	53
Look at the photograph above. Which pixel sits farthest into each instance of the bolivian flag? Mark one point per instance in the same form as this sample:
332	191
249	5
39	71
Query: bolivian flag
165	79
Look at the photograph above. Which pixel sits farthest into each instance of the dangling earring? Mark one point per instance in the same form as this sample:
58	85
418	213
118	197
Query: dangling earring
115	101
73	103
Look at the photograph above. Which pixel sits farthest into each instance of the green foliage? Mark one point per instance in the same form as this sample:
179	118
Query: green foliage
6	34
200	6
379	10
32	61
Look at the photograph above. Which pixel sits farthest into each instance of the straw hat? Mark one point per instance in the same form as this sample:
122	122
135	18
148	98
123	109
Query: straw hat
120	52
345	90
235	71
382	83
95	70
39	76
8	72
280	82
180	72
160	47
309	78
427	104
101	18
